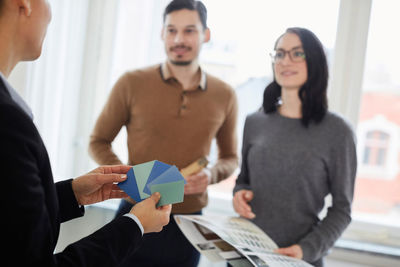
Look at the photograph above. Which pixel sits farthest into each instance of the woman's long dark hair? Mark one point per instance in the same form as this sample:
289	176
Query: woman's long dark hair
313	93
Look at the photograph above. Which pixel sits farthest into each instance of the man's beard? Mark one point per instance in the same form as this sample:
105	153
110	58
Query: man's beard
181	63
178	62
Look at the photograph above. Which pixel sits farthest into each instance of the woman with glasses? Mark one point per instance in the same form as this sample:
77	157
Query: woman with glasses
295	152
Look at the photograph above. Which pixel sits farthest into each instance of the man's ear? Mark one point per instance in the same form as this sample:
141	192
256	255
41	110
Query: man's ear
207	35
24	7
162	33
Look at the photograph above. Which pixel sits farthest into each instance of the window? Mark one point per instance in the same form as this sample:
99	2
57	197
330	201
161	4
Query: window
377	194
376	147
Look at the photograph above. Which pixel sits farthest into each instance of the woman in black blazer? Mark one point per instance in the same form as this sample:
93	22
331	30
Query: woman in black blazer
32	205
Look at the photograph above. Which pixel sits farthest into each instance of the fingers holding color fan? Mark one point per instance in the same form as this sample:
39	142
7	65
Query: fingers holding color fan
154	176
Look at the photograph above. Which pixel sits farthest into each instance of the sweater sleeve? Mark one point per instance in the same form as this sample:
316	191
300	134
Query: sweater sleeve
342	168
242	181
227	144
114	116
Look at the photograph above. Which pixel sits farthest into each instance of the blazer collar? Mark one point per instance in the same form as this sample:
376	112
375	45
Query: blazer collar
14	96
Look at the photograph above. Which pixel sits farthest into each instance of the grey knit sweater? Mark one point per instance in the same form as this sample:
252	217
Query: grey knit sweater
290	169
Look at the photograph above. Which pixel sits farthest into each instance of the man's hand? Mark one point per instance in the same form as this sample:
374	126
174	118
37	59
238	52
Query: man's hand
240	203
197	183
294	251
100	184
152	218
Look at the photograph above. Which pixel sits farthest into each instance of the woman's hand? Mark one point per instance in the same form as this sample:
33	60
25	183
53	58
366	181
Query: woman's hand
240	203
153	219
294	251
100	184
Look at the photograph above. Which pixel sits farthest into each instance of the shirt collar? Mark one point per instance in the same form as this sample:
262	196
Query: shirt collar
167	75
16	97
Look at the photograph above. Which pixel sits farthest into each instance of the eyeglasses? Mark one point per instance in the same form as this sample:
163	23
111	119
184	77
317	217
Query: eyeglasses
296	55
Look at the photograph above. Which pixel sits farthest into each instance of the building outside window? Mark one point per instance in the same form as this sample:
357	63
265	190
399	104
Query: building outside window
376	147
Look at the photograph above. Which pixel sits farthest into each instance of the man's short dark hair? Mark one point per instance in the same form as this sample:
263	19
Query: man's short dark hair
188	4
1	5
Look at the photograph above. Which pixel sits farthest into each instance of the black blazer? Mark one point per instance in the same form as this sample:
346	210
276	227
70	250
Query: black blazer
33	206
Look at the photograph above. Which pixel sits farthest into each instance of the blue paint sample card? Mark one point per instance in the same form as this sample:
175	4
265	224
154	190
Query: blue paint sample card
154	176
130	186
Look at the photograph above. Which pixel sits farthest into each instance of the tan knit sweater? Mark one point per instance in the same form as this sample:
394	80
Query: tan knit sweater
168	124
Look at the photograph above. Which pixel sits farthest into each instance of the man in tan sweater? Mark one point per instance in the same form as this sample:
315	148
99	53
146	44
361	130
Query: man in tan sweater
172	112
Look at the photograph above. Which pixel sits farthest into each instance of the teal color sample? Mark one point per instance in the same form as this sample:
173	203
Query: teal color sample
170	192
142	172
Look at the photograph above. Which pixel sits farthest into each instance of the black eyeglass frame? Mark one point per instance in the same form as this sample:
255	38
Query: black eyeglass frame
291	53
